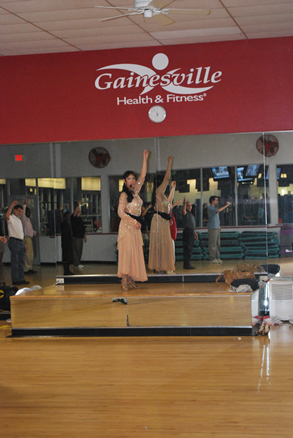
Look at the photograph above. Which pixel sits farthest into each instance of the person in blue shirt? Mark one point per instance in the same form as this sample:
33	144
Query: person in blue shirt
214	229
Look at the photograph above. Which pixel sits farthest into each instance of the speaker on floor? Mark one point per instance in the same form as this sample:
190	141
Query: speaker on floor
5	293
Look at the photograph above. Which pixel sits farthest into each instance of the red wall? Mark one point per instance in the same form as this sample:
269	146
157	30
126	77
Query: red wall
49	98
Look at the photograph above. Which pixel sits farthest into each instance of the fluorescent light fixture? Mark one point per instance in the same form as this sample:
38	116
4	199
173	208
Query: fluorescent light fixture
91	184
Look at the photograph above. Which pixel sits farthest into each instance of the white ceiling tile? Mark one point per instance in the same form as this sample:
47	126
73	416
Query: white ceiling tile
36	51
265	19
276	27
33	44
178	25
262	10
276	34
229	3
195	4
47	5
117	45
204	39
108	39
17	28
34	36
196	20
30	26
10	19
196	33
131	30
81	24
62	15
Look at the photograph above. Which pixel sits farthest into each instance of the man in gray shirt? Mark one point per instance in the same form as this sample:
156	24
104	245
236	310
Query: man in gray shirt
214	229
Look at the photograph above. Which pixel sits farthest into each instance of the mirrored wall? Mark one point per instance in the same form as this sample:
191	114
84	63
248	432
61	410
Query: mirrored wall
56	177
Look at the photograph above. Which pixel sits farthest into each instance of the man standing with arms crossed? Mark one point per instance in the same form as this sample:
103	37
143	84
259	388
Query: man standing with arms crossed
214	229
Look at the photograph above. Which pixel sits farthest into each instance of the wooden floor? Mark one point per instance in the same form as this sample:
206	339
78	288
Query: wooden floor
146	387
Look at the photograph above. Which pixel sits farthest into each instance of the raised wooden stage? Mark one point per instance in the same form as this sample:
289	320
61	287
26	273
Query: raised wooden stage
166	305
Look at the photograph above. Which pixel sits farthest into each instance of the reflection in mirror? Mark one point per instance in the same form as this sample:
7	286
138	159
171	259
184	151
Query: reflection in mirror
285	193
253	195
227	166
285	207
220	181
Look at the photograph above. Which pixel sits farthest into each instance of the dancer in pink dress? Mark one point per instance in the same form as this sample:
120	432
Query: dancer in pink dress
161	256
131	265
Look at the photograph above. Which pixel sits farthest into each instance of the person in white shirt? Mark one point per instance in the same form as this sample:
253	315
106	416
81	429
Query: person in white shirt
29	233
16	243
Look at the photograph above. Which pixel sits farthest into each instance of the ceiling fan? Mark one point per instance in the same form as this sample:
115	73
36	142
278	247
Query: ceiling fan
154	9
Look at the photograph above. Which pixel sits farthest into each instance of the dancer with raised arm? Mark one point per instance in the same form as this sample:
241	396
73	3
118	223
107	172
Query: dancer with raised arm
131	265
161	256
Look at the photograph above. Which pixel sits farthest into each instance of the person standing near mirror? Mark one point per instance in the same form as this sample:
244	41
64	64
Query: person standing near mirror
29	233
161	256
78	236
66	240
131	265
189	233
16	243
214	229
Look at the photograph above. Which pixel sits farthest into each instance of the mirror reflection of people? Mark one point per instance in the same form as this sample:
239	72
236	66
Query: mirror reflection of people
16	243
131	265
161	256
29	233
145	221
78	236
66	240
172	222
214	229
189	234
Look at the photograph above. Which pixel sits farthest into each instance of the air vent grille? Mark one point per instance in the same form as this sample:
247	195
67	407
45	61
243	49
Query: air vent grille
282	291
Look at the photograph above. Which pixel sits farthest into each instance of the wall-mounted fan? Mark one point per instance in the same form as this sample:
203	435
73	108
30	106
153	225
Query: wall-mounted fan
267	145
99	157
155	9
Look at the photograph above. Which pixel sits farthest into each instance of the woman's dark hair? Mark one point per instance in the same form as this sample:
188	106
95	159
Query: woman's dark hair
125	189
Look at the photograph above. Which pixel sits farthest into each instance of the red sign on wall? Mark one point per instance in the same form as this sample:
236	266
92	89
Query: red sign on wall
237	86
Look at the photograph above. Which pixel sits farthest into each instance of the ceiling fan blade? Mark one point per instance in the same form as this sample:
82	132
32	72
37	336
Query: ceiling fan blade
121	16
187	11
163	19
115	7
160	4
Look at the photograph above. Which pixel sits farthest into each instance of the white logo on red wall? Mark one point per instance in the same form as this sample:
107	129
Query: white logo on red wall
178	83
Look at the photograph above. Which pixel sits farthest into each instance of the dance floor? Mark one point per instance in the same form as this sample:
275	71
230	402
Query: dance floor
161	387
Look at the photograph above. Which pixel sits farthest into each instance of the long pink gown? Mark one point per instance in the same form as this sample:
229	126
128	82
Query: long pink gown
130	244
161	255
